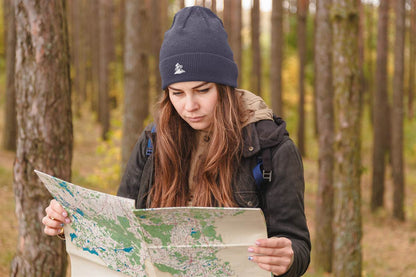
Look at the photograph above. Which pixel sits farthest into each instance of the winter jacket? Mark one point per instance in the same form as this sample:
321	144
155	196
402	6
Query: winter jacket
281	200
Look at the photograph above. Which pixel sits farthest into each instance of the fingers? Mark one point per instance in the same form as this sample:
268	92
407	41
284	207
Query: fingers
273	254
55	218
276	269
56	211
279	247
274	242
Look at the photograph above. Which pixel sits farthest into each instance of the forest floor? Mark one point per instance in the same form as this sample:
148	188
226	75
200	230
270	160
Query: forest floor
389	246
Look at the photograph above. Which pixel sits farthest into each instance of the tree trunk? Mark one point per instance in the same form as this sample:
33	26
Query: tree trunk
325	112
397	113
214	6
361	54
256	72
235	34
164	17
136	82
277	42
157	39
369	73
302	11
94	46
380	109
44	142
10	121
74	24
347	198
105	53
226	16
412	60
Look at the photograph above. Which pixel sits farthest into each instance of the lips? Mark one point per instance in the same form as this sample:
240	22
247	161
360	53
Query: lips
195	118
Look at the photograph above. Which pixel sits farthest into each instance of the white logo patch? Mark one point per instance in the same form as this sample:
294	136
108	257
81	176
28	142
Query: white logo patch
179	69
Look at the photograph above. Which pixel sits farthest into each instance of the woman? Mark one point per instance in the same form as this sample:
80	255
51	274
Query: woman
207	138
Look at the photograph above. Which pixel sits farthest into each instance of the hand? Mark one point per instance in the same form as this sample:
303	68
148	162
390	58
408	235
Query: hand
55	219
273	254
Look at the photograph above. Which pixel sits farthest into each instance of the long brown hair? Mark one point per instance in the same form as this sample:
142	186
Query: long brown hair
173	149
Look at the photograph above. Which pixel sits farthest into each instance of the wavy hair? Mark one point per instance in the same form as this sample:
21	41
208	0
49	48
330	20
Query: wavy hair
173	150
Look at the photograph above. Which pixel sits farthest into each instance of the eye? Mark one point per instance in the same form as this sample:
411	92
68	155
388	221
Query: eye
204	90
177	93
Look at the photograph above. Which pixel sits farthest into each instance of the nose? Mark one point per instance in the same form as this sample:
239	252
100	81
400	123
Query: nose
191	104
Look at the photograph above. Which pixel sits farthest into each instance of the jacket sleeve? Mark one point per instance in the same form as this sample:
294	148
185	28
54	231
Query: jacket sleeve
284	203
129	186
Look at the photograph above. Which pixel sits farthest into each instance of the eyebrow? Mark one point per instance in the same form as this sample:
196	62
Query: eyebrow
198	86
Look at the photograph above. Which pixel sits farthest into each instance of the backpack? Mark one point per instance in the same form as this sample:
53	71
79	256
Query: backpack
261	172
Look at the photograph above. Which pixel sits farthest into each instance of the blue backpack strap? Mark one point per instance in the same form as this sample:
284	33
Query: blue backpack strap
257	174
149	149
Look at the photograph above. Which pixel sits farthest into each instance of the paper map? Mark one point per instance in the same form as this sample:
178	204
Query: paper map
109	237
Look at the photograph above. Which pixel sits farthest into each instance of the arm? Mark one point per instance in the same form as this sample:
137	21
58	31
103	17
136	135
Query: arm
129	185
289	254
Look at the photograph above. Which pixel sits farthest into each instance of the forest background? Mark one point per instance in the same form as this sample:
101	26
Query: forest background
100	80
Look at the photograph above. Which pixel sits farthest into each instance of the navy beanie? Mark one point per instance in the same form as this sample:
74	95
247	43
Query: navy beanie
195	48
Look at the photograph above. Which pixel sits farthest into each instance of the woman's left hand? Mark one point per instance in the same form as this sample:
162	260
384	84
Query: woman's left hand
273	254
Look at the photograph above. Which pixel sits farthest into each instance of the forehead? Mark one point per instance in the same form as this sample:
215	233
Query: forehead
187	85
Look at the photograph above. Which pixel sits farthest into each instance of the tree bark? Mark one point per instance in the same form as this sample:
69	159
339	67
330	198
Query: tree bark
397	113
105	53
157	39
302	11
45	130
412	60
93	45
361	54
277	42
325	113
226	16
347	215
235	33
10	121
380	110
256	72
136	72
214	6
369	62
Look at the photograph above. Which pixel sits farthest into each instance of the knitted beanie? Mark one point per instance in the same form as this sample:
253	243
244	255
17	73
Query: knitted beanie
195	48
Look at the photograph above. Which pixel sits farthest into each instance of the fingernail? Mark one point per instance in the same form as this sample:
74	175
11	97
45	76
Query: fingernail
257	243
62	225
250	249
67	220
64	214
250	258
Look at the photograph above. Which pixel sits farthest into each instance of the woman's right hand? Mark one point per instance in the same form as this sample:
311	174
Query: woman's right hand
55	219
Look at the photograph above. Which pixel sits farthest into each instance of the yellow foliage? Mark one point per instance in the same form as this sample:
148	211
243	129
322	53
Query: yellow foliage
106	173
290	76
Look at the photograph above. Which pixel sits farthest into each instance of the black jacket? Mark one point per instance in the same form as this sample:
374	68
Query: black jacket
281	200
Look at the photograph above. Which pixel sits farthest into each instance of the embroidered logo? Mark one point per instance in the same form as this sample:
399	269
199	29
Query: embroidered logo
179	69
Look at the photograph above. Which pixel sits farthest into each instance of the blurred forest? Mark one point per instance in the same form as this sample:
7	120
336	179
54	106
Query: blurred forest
79	80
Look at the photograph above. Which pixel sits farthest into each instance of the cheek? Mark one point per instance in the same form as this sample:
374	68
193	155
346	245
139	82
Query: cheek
176	105
213	103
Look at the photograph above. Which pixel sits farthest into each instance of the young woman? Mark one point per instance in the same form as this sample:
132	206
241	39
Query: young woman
207	138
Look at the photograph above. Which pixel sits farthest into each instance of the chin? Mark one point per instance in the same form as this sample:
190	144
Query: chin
199	127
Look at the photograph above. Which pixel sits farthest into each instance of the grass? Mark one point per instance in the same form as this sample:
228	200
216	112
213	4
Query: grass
8	225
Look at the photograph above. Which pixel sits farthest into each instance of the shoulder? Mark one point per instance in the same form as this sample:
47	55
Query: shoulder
264	134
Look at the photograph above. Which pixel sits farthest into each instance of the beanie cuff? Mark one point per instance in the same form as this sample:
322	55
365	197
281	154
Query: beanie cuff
206	67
